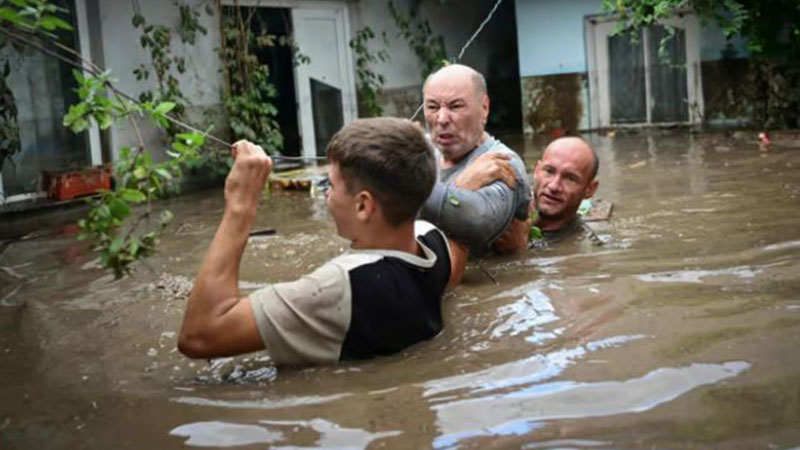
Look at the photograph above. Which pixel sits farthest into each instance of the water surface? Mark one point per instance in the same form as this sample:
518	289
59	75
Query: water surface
681	332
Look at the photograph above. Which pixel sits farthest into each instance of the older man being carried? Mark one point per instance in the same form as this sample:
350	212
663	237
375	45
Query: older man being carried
456	106
564	177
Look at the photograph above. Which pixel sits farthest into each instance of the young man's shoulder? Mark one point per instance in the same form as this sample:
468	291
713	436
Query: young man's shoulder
335	311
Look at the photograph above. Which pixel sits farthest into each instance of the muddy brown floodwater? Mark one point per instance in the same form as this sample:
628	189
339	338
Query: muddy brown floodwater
681	332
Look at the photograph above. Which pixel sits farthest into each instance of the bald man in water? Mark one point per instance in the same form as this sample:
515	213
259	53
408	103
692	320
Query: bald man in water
482	186
564	177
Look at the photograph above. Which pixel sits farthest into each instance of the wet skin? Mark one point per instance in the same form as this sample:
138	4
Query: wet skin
562	179
455	112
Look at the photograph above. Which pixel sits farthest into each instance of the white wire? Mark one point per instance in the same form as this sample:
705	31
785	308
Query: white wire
478	31
464	48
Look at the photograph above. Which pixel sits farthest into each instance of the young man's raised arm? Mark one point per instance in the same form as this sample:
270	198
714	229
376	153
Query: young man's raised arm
217	321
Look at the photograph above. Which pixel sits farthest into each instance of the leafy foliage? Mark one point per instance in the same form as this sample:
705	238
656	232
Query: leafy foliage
370	83
9	127
158	39
428	48
32	16
249	97
139	180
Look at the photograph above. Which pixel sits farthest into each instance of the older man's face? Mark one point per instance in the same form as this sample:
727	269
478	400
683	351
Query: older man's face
456	114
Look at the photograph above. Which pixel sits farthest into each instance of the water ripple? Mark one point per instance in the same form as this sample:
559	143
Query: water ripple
225	434
696	276
525	408
525	371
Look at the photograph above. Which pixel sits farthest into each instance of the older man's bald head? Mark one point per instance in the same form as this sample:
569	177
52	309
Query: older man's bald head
460	70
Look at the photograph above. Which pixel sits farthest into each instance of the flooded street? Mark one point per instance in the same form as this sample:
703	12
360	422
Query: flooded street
681	332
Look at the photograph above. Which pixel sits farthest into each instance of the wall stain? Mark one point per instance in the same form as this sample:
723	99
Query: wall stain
552	104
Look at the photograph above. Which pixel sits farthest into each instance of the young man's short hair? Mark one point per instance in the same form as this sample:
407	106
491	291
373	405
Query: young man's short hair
388	157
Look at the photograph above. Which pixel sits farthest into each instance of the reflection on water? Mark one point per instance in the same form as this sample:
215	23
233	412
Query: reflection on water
534	369
566	399
680	332
221	434
262	403
697	276
330	435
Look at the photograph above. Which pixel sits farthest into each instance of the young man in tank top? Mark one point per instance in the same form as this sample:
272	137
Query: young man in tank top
379	298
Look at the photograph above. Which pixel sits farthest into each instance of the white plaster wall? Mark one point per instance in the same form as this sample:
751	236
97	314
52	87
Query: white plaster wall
455	20
551	36
201	83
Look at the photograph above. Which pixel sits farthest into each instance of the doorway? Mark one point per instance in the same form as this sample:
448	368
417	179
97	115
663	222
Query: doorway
279	58
325	84
644	78
315	79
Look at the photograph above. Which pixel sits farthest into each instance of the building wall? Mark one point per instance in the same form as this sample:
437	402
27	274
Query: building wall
726	82
121	51
553	67
403	89
552	62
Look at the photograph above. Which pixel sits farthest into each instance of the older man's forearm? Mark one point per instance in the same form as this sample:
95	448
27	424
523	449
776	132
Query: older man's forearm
475	218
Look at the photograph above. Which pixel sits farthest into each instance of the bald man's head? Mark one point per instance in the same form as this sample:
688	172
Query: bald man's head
581	151
563	178
456	110
460	70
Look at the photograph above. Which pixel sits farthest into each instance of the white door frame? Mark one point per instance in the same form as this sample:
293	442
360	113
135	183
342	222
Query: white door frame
93	133
349	103
597	29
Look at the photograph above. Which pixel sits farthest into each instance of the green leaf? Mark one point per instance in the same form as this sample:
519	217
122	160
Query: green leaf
163	173
119	209
116	245
140	173
60	23
132	195
535	233
164	107
10	15
134	247
104	120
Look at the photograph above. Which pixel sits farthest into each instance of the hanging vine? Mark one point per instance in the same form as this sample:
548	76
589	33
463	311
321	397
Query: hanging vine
249	97
370	83
9	127
428	48
157	39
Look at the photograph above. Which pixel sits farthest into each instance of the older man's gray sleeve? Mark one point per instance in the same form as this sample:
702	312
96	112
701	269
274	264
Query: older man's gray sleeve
476	218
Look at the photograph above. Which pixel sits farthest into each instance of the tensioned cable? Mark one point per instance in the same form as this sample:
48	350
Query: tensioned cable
467	44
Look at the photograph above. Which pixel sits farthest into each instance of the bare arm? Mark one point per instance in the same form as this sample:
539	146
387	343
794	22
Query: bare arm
458	259
217	321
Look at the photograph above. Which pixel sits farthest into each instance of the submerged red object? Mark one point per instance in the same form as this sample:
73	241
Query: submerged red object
76	183
763	139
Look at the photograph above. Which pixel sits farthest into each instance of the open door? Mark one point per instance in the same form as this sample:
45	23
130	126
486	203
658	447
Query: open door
325	86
